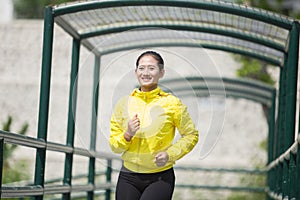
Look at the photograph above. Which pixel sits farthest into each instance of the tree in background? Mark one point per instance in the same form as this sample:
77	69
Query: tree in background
286	7
13	172
256	69
33	9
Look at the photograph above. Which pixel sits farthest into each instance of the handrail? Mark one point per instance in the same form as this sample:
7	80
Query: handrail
285	155
287	158
17	139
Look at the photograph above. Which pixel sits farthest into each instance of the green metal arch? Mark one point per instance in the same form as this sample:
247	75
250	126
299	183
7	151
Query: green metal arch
225	87
221	32
213	6
179	27
229	8
208	46
282	134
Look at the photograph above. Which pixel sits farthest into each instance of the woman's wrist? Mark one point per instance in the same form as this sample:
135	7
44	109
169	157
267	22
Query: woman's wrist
127	136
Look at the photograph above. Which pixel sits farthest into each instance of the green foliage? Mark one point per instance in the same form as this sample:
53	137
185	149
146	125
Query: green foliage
257	180
272	5
8	148
254	69
13	171
250	181
33	9
245	196
263	145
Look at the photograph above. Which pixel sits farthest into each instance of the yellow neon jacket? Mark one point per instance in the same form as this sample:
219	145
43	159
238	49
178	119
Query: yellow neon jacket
160	114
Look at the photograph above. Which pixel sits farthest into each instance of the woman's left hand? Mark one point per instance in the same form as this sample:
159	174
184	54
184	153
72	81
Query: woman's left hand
161	159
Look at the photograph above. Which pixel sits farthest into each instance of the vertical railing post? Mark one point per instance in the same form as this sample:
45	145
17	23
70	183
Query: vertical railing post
279	132
271	141
1	163
44	97
297	184
71	115
108	178
292	176
95	95
291	99
271	124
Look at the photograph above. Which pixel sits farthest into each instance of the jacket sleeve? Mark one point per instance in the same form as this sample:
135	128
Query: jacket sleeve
188	132
117	141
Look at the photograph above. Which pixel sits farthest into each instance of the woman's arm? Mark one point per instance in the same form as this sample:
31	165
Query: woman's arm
119	139
188	132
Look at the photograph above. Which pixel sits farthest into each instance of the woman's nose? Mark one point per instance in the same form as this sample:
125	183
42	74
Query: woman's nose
146	72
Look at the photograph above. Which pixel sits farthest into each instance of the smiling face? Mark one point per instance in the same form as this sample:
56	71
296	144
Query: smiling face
148	73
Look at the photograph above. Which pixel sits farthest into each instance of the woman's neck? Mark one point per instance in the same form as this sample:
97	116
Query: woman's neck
148	89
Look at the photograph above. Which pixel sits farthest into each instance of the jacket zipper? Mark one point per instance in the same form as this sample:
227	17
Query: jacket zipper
142	133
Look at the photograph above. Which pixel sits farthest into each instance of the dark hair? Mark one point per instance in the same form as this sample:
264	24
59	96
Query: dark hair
155	55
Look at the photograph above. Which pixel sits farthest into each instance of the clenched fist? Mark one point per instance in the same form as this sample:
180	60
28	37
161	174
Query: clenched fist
161	159
133	127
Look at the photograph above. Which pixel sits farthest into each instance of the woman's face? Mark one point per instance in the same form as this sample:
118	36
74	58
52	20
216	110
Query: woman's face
148	73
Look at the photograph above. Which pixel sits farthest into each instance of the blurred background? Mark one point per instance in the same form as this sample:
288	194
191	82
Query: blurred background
239	144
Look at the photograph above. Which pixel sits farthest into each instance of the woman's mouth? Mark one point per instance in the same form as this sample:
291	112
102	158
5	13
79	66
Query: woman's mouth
146	79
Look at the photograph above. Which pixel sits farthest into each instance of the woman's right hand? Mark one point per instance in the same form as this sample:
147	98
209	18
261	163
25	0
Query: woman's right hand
133	126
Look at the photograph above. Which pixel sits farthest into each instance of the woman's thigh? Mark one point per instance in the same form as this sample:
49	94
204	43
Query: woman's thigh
162	189
126	188
159	190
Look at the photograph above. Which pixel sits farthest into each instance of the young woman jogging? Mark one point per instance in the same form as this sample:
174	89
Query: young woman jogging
142	130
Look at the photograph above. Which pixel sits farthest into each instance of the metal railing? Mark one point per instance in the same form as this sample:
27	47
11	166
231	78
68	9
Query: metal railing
31	189
55	187
284	171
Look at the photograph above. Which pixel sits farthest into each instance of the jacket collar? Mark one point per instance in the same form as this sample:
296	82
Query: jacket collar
148	95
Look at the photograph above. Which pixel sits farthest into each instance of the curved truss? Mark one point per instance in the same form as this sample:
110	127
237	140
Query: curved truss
211	24
224	87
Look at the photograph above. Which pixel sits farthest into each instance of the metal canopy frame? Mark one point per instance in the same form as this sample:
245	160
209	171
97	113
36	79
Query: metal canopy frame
213	24
255	91
198	23
224	87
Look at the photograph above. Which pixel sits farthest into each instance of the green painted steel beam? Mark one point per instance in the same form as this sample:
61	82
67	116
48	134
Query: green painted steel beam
40	162
237	88
298	171
271	132
226	95
222	187
246	53
188	27
291	85
221	170
71	115
280	129
94	117
243	52
68	28
229	8
291	74
1	163
108	178
243	82
227	91
292	194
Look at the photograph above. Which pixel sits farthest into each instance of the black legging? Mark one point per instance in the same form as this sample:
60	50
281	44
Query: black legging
153	186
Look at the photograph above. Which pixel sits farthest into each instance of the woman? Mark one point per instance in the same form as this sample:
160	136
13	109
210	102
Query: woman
142	130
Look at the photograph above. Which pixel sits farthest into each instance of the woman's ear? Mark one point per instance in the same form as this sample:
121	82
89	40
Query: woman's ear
162	73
